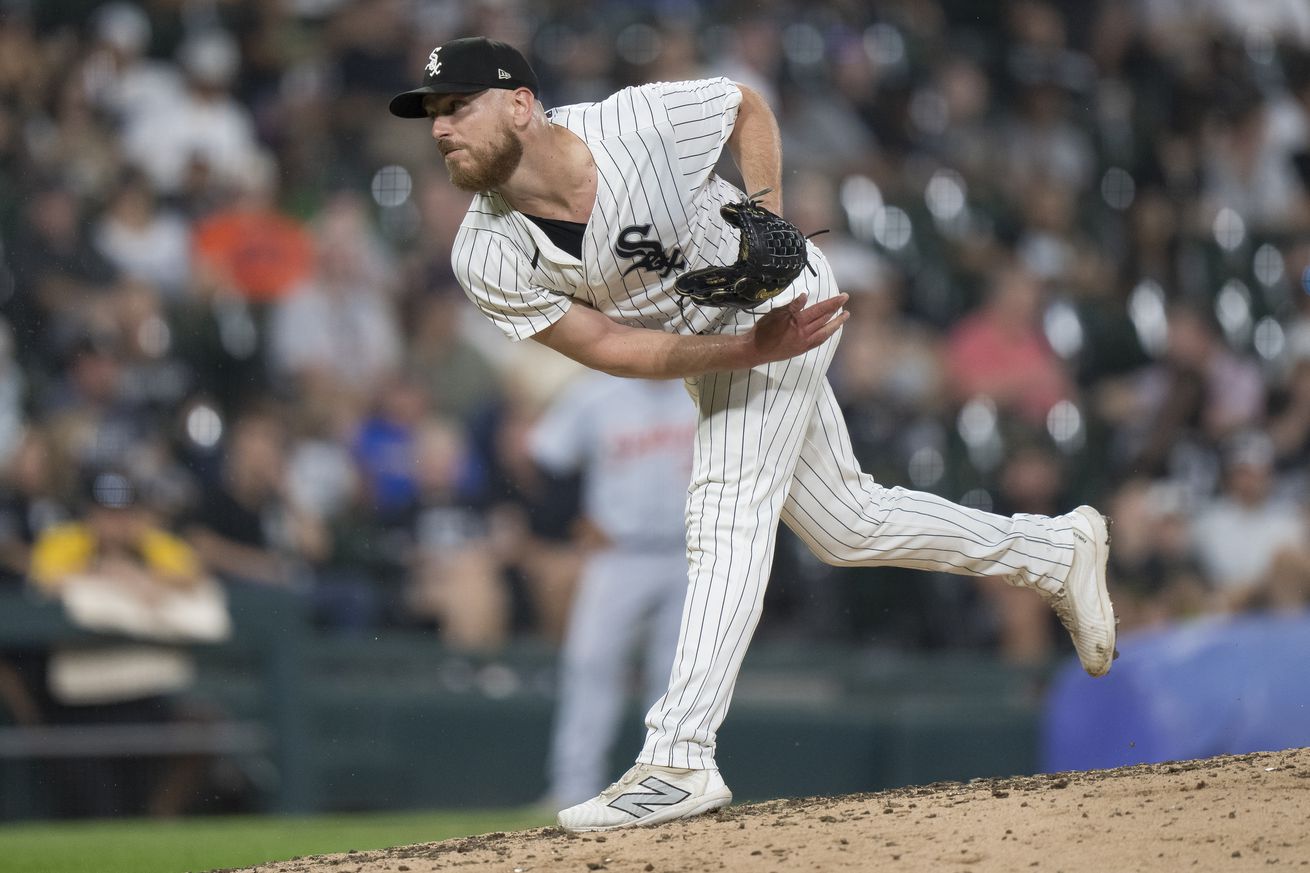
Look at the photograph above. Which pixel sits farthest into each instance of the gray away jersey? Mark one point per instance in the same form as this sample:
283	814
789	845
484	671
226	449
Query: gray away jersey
656	215
632	441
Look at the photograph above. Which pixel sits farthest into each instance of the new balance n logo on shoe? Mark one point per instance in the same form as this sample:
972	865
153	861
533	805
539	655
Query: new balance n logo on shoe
658	793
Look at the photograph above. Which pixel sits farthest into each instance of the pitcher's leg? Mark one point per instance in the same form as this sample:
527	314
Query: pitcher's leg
751	426
665	618
732	513
848	519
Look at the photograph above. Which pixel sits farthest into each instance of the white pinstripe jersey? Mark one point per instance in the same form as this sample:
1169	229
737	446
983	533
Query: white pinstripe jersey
656	215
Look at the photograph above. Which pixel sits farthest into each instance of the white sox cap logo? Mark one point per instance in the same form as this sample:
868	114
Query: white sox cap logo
434	62
640	803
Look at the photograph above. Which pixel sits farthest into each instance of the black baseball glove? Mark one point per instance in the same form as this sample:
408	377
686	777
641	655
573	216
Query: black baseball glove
770	257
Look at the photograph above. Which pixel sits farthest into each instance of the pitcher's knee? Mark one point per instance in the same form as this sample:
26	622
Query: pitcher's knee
848	543
839	555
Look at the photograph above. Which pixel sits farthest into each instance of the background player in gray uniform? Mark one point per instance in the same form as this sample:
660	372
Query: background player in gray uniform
631	441
583	220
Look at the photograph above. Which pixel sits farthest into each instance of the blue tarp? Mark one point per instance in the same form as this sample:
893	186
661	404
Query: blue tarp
1213	686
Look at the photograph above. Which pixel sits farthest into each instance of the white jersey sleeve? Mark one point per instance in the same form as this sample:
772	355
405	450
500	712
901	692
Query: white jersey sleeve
495	271
703	114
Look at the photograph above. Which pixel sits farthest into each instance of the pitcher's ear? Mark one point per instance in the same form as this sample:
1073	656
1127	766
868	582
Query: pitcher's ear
524	103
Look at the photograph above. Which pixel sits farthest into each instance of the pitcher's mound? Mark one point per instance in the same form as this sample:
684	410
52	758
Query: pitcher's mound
1244	812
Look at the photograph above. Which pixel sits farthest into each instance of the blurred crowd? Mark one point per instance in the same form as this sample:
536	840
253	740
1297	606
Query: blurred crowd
1076	235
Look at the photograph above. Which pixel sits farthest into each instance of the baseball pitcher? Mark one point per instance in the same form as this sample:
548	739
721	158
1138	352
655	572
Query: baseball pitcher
602	231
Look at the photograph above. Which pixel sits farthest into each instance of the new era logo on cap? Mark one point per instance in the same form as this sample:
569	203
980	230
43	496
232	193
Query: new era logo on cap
465	66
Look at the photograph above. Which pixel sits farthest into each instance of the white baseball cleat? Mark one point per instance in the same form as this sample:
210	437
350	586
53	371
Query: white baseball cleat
648	795
1082	603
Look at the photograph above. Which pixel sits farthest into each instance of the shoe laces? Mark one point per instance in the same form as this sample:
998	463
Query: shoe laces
1059	602
628	778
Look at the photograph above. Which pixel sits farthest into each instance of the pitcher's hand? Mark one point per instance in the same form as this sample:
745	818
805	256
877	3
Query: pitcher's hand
794	329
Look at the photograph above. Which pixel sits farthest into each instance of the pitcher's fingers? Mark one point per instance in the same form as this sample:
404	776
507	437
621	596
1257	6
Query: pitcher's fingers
833	324
824	309
832	304
823	332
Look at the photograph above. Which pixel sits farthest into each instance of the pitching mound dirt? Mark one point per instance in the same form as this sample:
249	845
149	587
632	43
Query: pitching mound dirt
1247	812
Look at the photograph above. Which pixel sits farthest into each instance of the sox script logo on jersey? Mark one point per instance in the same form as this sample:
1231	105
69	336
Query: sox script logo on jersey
649	253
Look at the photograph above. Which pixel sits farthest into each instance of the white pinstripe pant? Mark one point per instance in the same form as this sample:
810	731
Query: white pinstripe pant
771	445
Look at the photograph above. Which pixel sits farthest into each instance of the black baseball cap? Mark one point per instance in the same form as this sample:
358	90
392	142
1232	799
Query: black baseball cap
463	66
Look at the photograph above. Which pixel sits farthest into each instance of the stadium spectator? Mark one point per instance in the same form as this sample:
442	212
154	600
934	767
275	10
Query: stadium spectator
31	502
154	376
1042	141
1246	168
753	55
459	380
965	140
837	129
119	76
455	580
232	528
1000	351
337	333
88	412
117	571
29	505
1170	415
248	530
1153	572
203	128
321	473
24	76
75	143
384	444
1289	429
531	519
370	58
889	375
1271	570
143	241
62	286
249	247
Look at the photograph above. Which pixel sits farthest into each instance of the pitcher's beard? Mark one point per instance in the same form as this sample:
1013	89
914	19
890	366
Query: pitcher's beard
491	166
